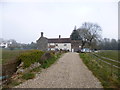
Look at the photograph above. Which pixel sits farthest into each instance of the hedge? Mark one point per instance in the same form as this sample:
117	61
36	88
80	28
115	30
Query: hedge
30	57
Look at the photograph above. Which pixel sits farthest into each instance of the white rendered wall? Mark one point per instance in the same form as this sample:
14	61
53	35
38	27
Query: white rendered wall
61	46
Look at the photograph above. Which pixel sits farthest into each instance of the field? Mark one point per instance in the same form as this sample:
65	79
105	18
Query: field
9	55
106	73
112	54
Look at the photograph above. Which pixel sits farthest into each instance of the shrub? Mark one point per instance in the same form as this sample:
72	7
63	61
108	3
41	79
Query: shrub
46	56
30	57
27	76
52	52
47	63
37	69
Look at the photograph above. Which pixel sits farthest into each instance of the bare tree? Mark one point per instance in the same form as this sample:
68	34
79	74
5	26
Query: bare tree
88	33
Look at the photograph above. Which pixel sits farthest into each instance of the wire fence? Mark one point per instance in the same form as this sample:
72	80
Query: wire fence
101	57
112	65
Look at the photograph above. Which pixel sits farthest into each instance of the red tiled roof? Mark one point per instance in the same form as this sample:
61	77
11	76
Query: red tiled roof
59	40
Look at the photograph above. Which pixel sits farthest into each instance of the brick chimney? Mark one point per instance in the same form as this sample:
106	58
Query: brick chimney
41	34
59	36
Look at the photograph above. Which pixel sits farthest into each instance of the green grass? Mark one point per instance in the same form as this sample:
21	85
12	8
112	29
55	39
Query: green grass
27	76
112	54
14	83
11	84
9	55
49	62
109	76
107	60
37	69
27	56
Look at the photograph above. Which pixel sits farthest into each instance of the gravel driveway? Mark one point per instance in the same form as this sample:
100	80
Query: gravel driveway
68	72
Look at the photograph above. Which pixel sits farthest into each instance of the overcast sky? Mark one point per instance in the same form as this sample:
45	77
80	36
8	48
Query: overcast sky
24	20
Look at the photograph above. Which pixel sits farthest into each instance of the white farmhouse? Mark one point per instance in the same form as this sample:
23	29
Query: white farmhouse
59	44
46	44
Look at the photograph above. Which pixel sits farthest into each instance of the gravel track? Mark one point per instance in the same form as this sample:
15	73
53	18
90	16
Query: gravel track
68	72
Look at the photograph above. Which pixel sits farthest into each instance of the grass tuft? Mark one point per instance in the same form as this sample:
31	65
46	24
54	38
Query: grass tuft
37	69
47	63
27	76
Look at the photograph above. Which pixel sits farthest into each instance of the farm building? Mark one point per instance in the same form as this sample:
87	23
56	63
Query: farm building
59	43
5	43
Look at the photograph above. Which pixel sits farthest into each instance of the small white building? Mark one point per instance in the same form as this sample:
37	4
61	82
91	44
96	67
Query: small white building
5	44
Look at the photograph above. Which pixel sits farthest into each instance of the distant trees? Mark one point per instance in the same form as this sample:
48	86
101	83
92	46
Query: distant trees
32	45
88	33
109	44
29	46
15	45
114	44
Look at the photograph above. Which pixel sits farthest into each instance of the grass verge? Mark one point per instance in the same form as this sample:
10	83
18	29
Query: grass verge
109	78
49	62
27	76
37	69
112	54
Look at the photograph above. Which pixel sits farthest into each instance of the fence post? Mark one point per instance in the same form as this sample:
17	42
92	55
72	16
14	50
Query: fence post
111	69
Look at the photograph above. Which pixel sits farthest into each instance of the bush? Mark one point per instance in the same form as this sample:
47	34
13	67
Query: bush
46	56
30	57
27	76
37	69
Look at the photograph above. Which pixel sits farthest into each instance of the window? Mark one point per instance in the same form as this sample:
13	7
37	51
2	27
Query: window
65	44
